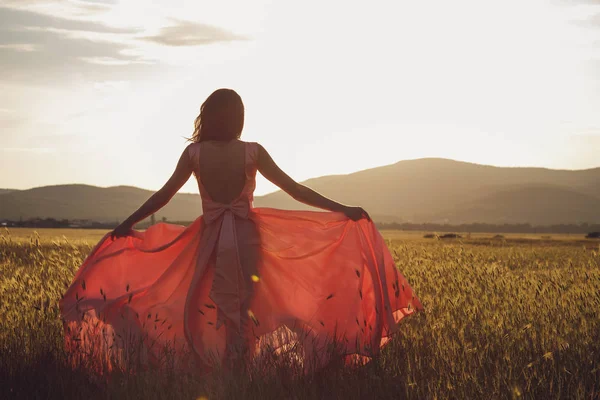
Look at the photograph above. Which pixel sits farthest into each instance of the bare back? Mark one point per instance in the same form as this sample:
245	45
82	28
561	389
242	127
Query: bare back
221	169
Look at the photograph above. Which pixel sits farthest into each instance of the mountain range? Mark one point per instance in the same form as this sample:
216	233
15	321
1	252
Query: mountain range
422	190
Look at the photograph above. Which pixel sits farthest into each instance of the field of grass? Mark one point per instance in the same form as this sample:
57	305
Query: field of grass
511	317
77	236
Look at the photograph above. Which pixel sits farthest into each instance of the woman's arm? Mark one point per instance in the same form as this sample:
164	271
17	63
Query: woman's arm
159	199
303	194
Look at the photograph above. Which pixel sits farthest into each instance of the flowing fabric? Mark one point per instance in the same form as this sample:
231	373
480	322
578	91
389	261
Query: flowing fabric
238	277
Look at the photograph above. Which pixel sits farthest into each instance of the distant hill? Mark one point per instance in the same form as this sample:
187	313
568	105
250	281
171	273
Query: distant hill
91	202
537	205
441	190
423	190
2	191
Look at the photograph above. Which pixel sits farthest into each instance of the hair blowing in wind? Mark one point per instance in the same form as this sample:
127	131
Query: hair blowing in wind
221	117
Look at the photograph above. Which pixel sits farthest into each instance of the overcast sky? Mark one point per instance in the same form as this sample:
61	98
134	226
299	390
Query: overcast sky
103	92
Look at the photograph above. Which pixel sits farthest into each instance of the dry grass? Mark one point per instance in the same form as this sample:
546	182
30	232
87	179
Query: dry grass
48	235
504	319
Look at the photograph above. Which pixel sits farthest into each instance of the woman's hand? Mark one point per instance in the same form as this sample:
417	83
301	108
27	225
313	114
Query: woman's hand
356	213
121	231
158	199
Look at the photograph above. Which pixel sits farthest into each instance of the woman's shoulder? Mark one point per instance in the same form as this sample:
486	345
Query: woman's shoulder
252	150
192	147
254	145
192	151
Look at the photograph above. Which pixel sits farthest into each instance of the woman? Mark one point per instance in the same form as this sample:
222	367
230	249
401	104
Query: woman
239	281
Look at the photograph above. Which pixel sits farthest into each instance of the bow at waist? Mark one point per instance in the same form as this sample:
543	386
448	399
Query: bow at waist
212	211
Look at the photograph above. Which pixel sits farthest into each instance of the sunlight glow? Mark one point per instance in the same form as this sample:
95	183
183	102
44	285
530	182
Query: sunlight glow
337	87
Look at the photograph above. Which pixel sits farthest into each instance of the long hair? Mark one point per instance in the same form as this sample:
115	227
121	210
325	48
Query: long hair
221	117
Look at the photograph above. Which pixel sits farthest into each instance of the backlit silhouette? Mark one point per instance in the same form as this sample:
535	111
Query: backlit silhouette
239	281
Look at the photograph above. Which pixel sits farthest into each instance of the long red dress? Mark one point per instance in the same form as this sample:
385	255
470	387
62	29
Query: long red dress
237	278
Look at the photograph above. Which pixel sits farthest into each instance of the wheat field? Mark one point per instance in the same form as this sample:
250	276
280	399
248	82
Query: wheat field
505	318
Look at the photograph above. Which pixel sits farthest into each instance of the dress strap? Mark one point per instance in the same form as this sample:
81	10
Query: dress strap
193	153
251	155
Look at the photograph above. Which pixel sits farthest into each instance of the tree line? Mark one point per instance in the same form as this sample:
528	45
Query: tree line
496	228
405	226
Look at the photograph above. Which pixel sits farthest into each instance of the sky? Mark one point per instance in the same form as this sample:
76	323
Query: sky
104	92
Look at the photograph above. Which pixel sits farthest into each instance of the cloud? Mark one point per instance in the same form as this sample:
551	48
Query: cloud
10	122
576	2
19	46
112	61
590	22
48	49
186	33
12	19
103	2
585	13
70	8
36	150
59	57
37	46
